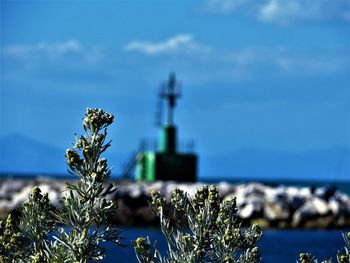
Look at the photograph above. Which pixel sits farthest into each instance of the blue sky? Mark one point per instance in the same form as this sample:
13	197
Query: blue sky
268	77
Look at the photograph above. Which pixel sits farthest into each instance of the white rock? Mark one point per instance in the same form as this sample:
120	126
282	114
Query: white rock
313	208
334	206
246	211
321	207
250	209
225	188
276	211
21	196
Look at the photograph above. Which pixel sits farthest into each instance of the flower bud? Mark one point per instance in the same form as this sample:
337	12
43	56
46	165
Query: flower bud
200	217
99	138
142	244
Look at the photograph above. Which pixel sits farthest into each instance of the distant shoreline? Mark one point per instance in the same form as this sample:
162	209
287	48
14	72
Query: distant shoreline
7	175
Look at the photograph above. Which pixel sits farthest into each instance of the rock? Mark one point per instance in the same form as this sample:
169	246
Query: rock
10	187
276	211
280	206
320	206
134	211
21	196
251	210
255	189
334	206
295	202
312	214
325	193
225	189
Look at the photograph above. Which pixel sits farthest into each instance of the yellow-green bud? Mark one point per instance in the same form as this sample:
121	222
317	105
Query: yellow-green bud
9	222
186	238
141	243
344	259
7	232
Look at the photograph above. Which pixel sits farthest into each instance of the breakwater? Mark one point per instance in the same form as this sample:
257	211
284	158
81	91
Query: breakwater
268	206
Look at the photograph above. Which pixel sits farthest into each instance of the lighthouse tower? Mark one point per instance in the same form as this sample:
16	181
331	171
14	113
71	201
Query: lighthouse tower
168	162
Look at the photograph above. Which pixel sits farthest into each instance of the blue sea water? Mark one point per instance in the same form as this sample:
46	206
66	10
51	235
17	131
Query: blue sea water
275	245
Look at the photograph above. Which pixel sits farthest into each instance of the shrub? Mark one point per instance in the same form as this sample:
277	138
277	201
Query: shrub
343	256
200	229
84	209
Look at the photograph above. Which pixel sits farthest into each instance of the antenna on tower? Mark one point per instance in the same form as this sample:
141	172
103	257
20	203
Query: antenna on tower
170	91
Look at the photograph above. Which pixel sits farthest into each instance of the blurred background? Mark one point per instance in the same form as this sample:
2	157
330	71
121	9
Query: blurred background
265	89
265	83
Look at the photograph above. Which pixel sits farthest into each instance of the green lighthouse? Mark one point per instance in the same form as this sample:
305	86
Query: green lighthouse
168	162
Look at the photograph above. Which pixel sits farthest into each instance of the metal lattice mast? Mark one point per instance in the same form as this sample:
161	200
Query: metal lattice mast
170	91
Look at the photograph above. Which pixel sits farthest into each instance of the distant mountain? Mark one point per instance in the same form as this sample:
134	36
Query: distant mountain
22	154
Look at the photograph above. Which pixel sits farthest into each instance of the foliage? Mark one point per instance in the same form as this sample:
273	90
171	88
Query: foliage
343	256
308	258
10	241
86	204
84	207
200	229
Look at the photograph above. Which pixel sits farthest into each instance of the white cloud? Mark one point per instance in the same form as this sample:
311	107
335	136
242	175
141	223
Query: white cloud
310	65
70	52
282	12
51	49
250	60
181	42
275	11
286	11
222	6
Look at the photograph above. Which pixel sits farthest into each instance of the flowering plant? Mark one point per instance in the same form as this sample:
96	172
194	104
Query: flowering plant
85	209
200	229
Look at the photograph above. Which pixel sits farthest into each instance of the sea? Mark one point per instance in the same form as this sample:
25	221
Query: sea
275	245
282	246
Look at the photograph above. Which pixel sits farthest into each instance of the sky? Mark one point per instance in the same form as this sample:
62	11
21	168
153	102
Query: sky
265	83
